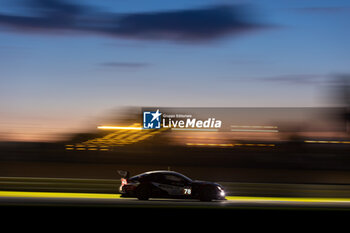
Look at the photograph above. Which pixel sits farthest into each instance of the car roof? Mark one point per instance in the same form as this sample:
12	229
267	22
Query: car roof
164	172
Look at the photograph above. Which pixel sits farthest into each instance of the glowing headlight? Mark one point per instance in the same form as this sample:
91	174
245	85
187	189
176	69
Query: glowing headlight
222	193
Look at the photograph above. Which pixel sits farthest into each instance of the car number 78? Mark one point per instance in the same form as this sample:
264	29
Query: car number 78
187	191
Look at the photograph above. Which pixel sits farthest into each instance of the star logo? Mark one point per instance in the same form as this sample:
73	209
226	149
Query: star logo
156	115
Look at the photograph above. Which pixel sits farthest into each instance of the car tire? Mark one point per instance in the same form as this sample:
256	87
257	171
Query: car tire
143	193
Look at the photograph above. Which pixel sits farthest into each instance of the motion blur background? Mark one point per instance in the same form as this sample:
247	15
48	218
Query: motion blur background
67	67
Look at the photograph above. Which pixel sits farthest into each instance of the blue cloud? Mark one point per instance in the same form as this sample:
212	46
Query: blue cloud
201	24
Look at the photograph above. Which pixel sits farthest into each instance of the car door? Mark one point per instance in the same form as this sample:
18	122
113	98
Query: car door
174	185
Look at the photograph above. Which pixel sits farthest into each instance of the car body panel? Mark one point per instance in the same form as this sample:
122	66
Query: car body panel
170	184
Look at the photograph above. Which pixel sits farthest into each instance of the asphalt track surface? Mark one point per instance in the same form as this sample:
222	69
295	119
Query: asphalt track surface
16	198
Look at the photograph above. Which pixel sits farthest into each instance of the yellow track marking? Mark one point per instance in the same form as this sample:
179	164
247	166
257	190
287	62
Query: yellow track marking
117	196
287	199
57	195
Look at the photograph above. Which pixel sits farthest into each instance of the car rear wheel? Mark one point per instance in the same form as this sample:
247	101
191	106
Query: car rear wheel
143	193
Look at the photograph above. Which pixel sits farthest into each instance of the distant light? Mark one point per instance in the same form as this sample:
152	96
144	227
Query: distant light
228	145
207	144
254	126
255	130
312	141
119	127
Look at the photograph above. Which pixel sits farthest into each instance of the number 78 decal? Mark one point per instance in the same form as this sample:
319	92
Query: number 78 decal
187	191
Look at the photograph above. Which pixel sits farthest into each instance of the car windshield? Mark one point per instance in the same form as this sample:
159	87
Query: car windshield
182	176
185	177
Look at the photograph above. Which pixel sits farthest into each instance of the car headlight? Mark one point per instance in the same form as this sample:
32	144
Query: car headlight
221	191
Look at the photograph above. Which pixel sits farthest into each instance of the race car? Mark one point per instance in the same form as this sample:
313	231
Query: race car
168	184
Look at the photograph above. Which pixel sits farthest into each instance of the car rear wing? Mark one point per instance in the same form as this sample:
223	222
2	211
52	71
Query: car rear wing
124	174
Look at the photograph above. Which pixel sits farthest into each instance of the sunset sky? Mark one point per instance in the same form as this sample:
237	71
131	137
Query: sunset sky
64	65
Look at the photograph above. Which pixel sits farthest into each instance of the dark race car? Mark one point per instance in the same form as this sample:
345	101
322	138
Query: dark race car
168	184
